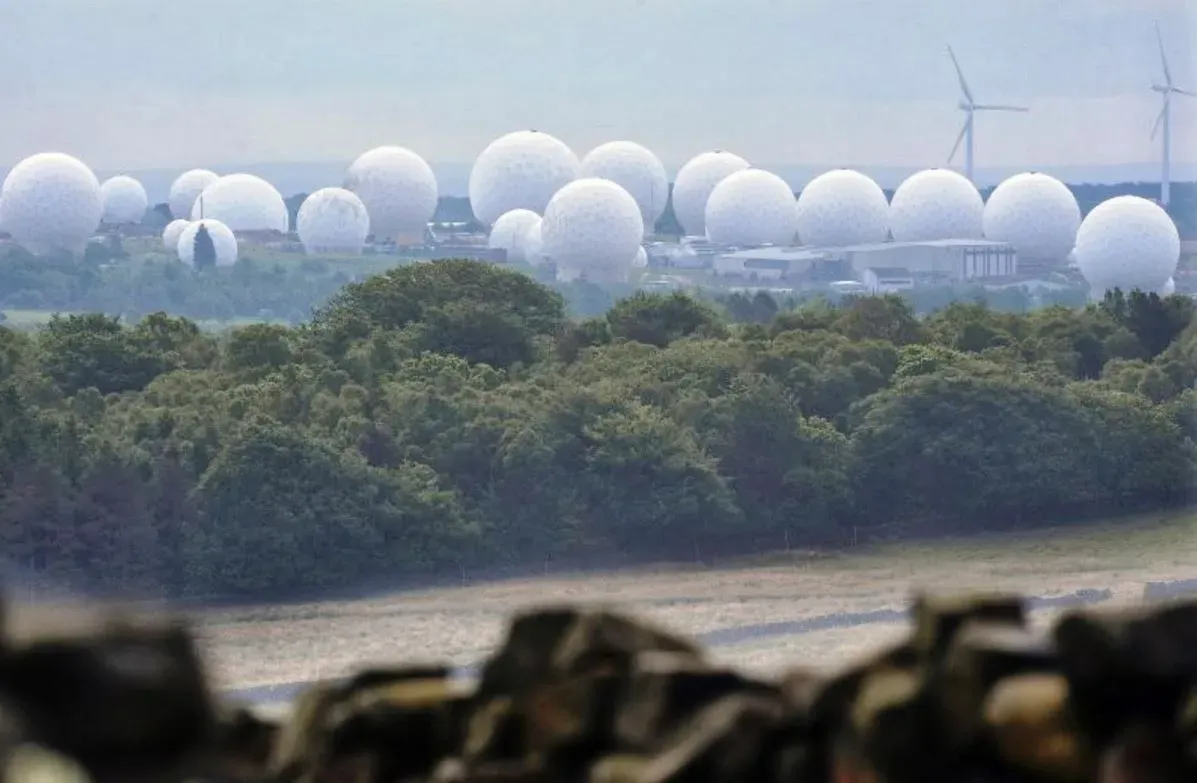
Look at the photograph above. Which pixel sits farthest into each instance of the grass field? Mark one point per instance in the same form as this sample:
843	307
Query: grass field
267	645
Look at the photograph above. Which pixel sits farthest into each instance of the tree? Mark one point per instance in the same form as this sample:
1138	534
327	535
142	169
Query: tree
205	249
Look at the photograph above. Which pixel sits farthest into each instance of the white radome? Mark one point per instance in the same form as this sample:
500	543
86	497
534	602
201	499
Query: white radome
532	243
172	232
1127	242
51	201
186	189
1036	214
936	204
222	239
508	232
693	185
641	259
840	208
591	229
332	220
243	202
752	207
1169	288
637	170
399	190
124	199
522	170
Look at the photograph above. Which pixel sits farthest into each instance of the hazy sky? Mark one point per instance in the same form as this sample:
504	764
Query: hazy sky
140	84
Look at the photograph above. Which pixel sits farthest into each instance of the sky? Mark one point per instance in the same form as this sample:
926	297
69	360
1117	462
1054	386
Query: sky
137	84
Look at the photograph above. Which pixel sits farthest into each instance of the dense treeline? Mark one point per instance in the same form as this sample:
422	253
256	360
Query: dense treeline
450	416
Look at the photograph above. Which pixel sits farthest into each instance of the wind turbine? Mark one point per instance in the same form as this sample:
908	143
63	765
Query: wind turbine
970	107
1164	120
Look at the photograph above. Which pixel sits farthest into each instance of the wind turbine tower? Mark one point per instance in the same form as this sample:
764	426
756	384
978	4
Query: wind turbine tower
1164	120
970	107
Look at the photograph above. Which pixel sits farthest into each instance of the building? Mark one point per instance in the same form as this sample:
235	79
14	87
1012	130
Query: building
951	260
887	279
766	263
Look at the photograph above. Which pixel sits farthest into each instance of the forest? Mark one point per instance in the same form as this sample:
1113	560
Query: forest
450	418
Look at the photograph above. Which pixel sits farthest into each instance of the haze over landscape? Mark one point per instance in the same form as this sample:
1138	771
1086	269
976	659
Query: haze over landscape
793	87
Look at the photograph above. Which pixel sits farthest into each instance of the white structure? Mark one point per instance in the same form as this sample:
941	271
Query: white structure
886	279
693	185
399	190
842	207
1035	213
51	201
936	204
1169	287
124	199
1127	242
186	189
970	109
508	232
521	170
591	229
171	234
1164	121
641	259
532	243
332	220
637	170
243	202
766	263
945	260
223	241
752	207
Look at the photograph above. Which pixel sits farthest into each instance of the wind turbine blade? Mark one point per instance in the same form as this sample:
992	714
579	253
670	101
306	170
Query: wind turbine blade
999	107
1163	56
968	94
1189	93
1155	128
959	139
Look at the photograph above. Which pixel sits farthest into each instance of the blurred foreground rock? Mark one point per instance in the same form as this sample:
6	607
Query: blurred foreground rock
595	696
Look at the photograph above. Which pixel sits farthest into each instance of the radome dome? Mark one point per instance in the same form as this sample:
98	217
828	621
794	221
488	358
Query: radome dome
531	245
693	185
591	229
1169	288
840	208
522	170
51	201
752	207
641	259
124	199
186	189
635	169
332	220
1127	242
222	239
508	232
1036	214
243	202
399	190
936	204
172	232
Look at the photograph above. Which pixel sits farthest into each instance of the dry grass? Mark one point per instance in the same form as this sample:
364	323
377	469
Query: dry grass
282	644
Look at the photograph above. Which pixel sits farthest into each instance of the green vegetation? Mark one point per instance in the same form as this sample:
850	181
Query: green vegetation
450	415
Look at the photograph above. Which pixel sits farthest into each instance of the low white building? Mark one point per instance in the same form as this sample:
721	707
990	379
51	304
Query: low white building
950	259
887	280
766	263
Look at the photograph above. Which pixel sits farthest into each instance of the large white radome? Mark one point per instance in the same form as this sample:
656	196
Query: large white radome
693	185
399	190
508	232
522	170
243	202
124	200
51	201
637	170
332	220
591	229
172	232
1127	242
222	239
936	204
1036	214
752	207
186	189
842	207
